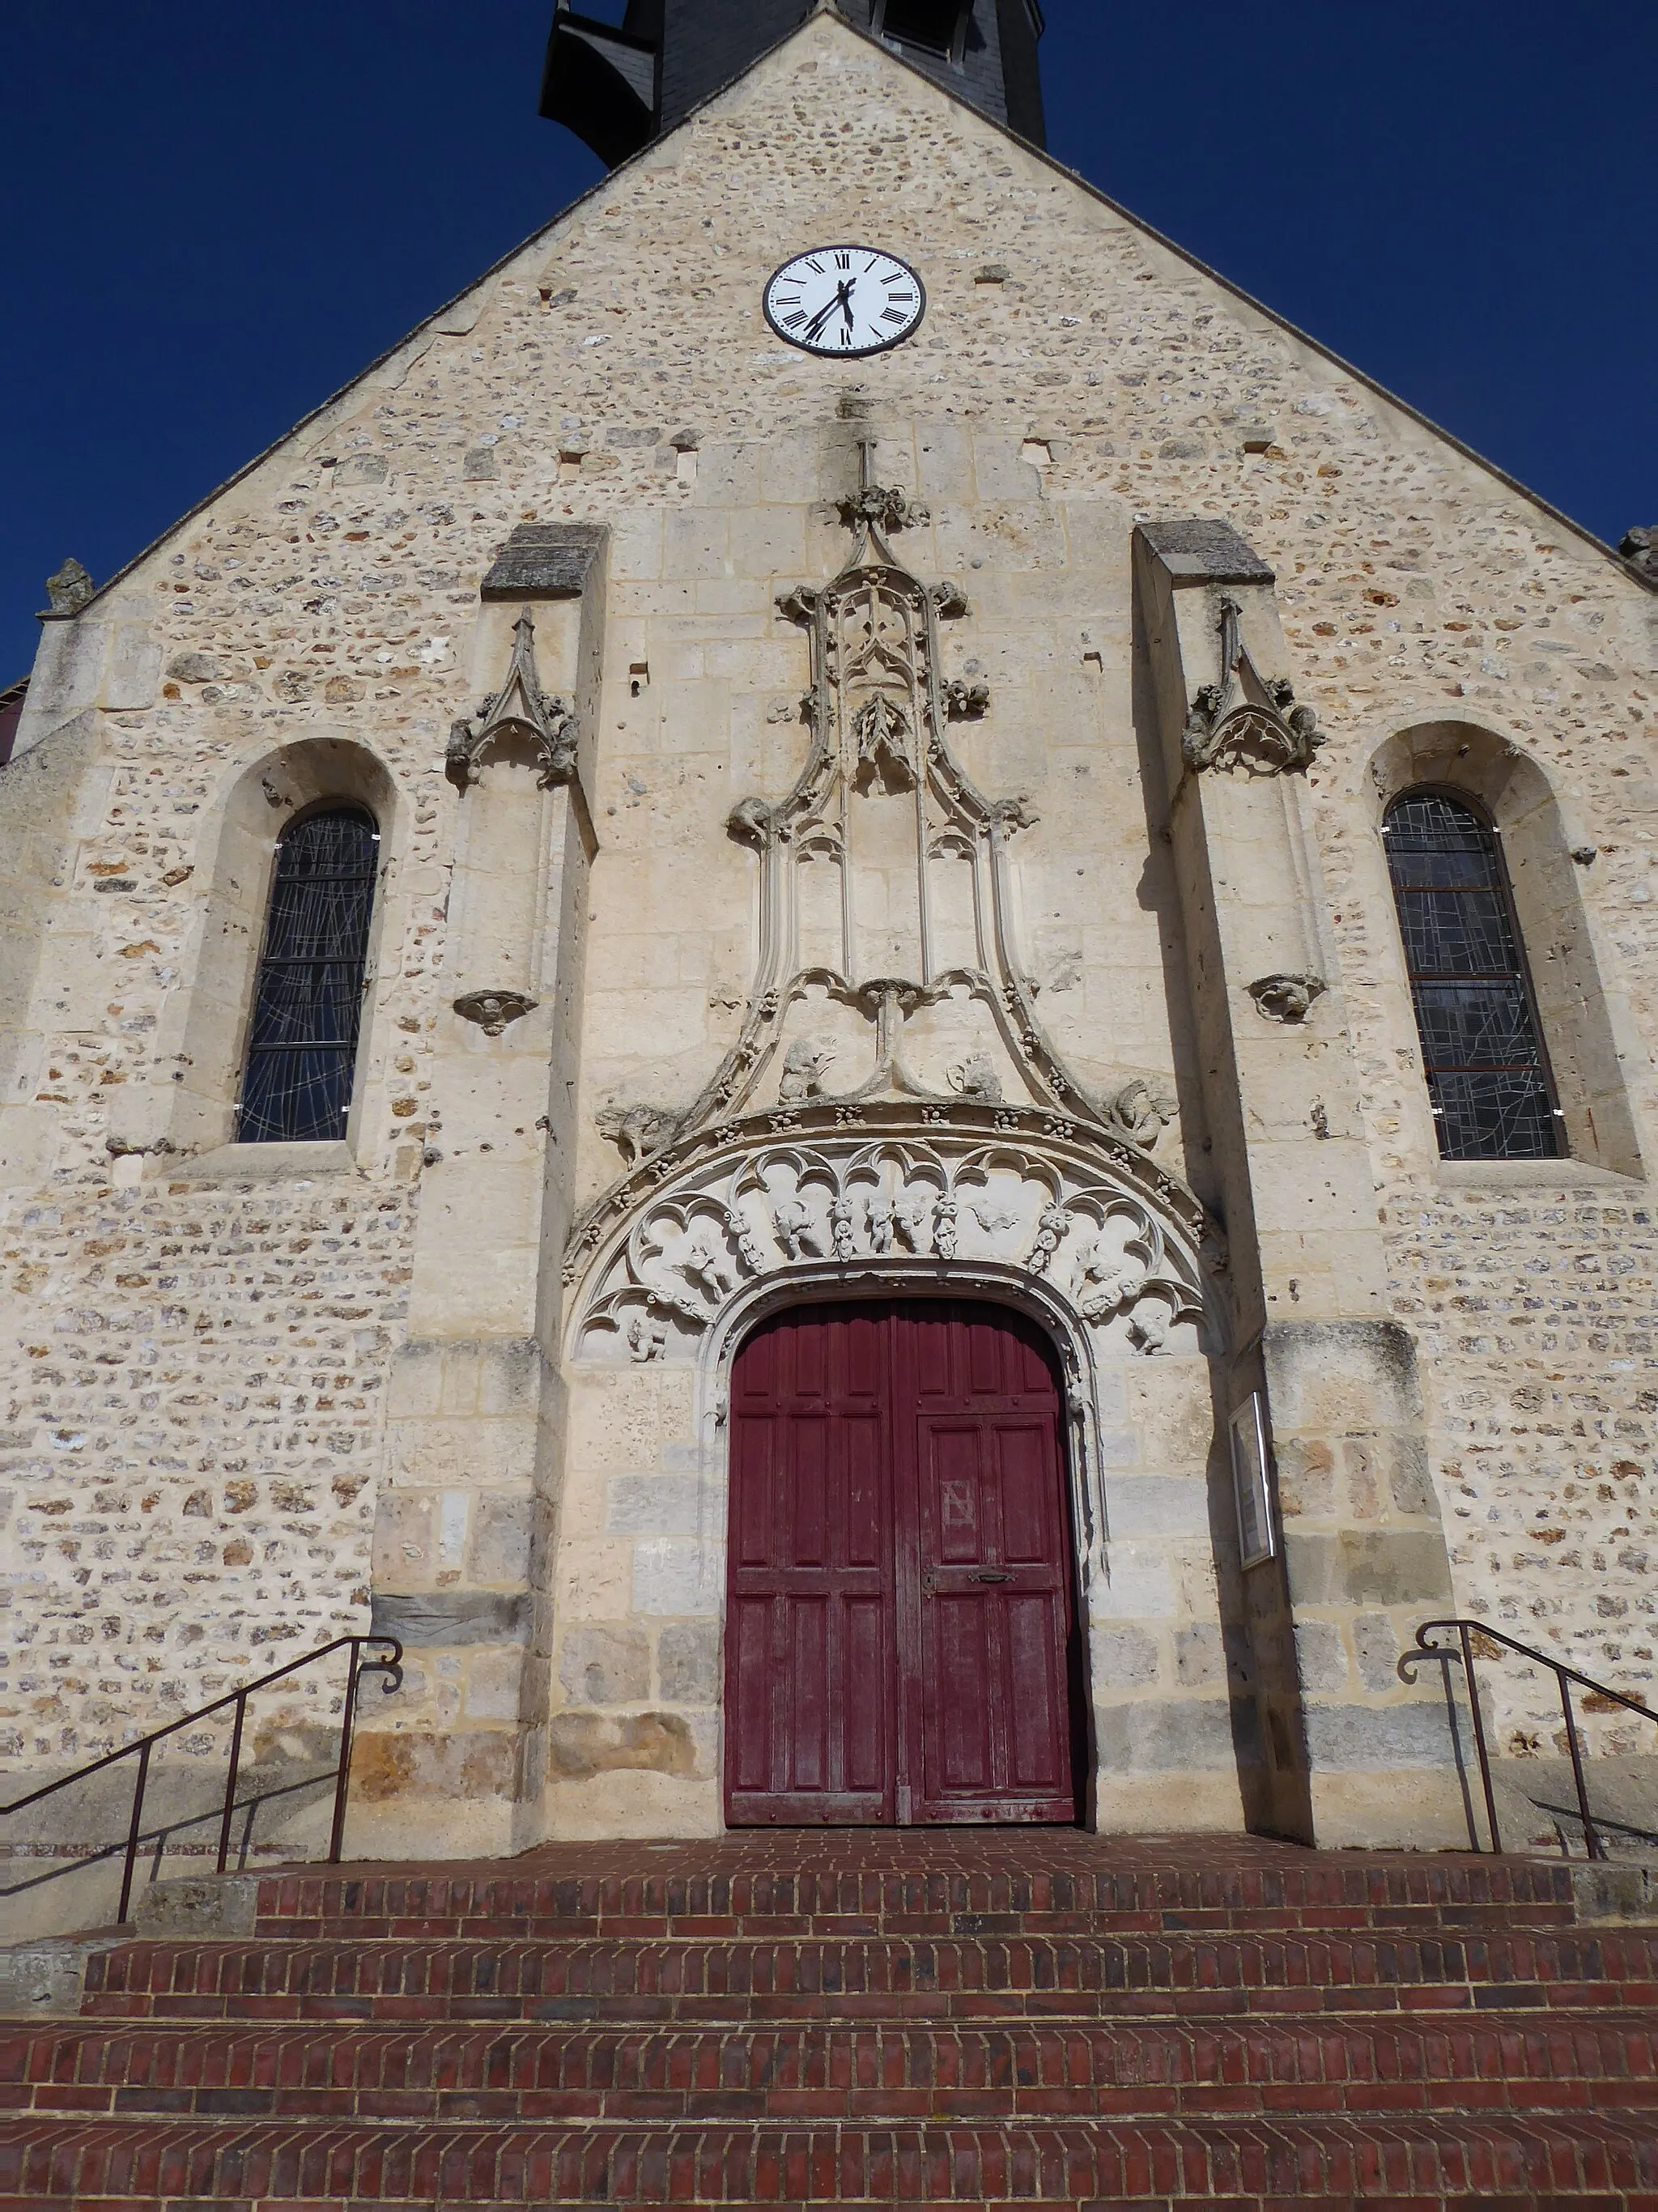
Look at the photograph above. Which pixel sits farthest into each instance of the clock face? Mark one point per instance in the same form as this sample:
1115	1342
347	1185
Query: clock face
844	301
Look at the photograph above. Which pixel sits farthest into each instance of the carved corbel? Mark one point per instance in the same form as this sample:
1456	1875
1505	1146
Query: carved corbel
493	1010
1015	814
799	603
886	507
965	701
751	822
521	709
949	602
1286	998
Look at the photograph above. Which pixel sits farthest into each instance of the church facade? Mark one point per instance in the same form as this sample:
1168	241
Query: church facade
860	995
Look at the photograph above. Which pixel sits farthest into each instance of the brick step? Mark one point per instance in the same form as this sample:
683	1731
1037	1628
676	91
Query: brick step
1496	2162
719	1888
1145	2068
993	1977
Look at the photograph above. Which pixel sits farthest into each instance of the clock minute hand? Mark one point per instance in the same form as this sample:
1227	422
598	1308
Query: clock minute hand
815	328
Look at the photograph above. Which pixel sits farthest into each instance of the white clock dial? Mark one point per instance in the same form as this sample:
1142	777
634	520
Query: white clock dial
844	301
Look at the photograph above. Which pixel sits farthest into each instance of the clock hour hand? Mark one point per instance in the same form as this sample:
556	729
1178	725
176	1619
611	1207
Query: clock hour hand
844	297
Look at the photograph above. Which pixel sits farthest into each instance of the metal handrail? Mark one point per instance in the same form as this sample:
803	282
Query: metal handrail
1565	1676
141	1746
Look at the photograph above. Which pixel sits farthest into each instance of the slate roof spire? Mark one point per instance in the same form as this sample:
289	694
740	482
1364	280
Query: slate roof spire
618	84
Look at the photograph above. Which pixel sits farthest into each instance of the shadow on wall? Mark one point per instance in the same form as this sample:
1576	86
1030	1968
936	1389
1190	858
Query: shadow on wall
53	1886
1535	1795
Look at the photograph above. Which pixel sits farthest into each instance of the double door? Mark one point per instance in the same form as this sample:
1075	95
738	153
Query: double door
901	1645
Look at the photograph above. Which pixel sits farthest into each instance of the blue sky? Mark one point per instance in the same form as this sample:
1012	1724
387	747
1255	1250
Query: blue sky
215	217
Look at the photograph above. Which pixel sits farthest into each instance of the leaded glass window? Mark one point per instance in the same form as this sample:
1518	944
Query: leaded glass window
1488	1080
308	1006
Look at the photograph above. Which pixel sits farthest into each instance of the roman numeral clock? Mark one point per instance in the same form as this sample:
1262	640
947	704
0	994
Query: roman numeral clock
844	301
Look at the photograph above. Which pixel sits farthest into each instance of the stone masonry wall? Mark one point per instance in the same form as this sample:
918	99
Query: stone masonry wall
194	1365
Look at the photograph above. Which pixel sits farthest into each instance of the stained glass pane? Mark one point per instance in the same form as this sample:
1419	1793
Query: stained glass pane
302	1050
1486	1075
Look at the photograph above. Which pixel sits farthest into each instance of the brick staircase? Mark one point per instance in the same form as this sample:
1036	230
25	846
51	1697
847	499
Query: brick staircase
1038	2017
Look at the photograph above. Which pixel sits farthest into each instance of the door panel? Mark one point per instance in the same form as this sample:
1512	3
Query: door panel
900	1627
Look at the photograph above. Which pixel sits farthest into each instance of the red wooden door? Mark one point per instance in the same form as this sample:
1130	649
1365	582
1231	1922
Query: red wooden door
900	1640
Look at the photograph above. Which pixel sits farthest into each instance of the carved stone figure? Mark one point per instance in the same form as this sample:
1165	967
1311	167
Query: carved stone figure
1140	1111
1103	1281
1640	549
69	589
994	1220
636	1131
797	1233
751	820
888	509
1286	998
648	1338
802	1069
965	701
976	1078
706	1265
910	1218
843	1227
860	1199
1149	1325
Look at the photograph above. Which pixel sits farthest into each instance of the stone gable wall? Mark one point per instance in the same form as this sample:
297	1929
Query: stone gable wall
193	1436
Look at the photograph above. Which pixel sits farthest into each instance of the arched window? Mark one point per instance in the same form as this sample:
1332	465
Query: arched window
307	1004
1488	1080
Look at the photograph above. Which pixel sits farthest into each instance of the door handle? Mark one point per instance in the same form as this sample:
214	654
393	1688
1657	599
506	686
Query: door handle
991	1575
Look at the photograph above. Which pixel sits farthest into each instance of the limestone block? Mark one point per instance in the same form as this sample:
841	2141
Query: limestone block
450	1617
1123	1658
606	1665
502	1527
595	1581
1150	1505
688	1663
1163	1734
133	670
580	1744
462	1765
1138	1584
1376	1645
653	1505
494	1686
1200	1656
1368	1566
1320	1656
1336	1376
673	1576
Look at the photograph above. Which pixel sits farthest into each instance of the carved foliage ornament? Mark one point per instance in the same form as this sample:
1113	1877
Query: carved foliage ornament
1247	724
520	710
